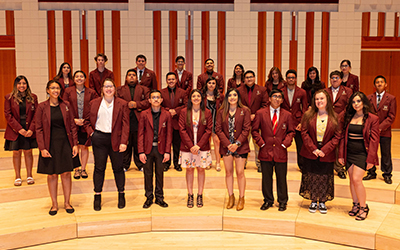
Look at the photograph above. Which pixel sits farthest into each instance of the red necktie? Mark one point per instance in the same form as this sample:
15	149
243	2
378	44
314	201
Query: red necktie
172	98
274	121
249	95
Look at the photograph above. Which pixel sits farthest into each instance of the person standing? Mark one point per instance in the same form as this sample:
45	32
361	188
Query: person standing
174	100
97	76
202	78
145	76
64	77
312	84
275	80
184	77
19	109
154	146
277	131
349	80
237	78
384	105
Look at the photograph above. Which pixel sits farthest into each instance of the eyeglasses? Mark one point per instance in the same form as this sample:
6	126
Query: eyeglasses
277	97
108	86
335	78
291	78
249	77
54	88
155	97
344	66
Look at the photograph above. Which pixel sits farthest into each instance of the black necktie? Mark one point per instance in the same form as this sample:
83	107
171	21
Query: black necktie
140	75
379	100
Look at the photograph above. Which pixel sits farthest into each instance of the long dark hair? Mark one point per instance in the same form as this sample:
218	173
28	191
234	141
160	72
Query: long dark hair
205	88
308	84
350	111
270	79
190	106
313	111
17	95
225	104
60	73
234	74
48	87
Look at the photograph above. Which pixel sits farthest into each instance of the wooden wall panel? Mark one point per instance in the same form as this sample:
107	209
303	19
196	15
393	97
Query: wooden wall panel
373	63
366	23
293	44
324	71
278	39
7	41
189	44
7	76
379	42
393	84
157	45
381	23
205	37
262	47
51	43
100	31
116	46
309	53
84	47
396	24
67	37
221	43
10	27
173	39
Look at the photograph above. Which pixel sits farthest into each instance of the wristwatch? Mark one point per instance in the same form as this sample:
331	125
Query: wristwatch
238	143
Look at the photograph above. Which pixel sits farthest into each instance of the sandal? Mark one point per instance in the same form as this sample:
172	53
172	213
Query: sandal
77	174
84	174
199	200
208	167
190	202
218	167
30	180
18	182
354	210
363	213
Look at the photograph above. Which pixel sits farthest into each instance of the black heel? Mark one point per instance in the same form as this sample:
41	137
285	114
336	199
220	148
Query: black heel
354	210
363	210
190	201
199	200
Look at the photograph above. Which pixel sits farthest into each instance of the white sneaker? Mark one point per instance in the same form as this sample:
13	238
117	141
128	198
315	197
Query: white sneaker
313	207
322	208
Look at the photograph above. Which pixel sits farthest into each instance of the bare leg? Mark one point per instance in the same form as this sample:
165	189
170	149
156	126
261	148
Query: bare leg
201	177
357	176
228	162
189	179
352	188
28	162
84	154
67	185
17	163
216	148
240	175
52	183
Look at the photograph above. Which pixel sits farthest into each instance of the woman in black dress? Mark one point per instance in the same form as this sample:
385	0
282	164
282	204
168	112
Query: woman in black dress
19	109
58	144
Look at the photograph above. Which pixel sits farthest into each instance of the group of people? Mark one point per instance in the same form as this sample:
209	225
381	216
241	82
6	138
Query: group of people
334	128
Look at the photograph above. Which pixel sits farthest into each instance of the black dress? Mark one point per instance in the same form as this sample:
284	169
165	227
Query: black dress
22	142
212	106
356	152
60	149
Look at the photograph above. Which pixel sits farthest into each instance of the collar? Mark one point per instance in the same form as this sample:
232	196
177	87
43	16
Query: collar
335	89
252	87
271	109
383	92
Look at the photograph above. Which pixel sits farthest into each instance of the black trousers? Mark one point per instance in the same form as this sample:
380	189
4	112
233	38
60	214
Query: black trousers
386	157
154	158
267	168
176	144
299	143
102	148
132	147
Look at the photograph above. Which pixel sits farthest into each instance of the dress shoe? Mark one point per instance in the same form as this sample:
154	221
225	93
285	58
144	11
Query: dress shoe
369	177
282	207
259	169
53	212
231	201
121	200
166	168
147	203
240	204
97	202
266	205
341	175
161	203
178	168
388	179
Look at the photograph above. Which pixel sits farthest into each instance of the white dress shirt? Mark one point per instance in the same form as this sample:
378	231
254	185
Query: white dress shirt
335	92
180	73
104	117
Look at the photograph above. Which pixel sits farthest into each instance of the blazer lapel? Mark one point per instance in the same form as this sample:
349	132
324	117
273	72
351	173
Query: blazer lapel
115	113
286	96
64	110
150	118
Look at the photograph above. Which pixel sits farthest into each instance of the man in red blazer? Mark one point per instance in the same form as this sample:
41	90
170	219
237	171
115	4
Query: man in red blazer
277	131
174	100
295	101
97	76
146	77
384	105
154	144
137	97
184	78
202	78
340	96
254	97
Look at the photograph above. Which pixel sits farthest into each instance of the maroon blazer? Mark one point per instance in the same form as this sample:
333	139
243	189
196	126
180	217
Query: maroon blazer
371	140
120	121
342	98
43	124
272	149
242	130
180	102
308	91
149	78
269	84
186	83
203	132
61	81
11	112
259	97
353	83
331	139
141	97
95	80
202	78
146	132
386	112
232	83
299	104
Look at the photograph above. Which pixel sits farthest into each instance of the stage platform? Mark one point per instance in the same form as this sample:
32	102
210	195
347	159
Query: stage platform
24	219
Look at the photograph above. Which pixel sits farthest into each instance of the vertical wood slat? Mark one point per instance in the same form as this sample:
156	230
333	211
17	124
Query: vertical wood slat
262	47
189	45
116	46
396	24
100	31
67	37
221	43
84	47
157	45
325	47
51	43
278	39
381	23
8	71
173	39
309	52
205	36
366	24
10	27
293	44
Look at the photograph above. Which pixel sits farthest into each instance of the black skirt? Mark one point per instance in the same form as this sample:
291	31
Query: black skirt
21	142
82	136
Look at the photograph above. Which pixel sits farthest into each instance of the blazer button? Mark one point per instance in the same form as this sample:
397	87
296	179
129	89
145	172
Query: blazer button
274	136
234	130
273	145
